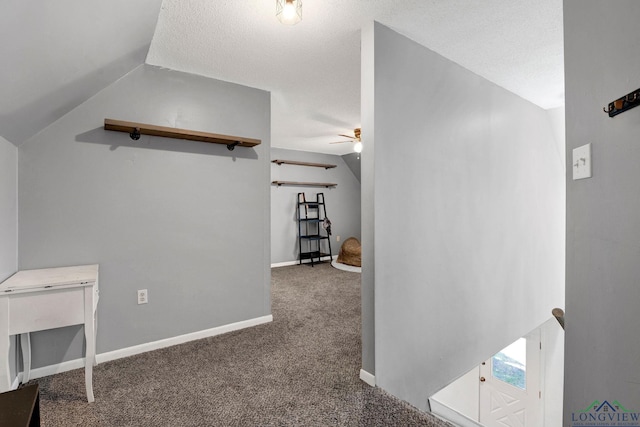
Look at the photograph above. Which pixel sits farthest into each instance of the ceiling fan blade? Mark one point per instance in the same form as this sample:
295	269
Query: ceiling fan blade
347	136
339	142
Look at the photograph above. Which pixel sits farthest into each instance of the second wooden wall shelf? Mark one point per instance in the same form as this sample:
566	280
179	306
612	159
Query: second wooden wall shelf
294	162
307	184
136	129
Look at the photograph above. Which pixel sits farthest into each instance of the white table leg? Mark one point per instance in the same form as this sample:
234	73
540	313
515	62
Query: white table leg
96	298
25	343
95	336
5	345
90	340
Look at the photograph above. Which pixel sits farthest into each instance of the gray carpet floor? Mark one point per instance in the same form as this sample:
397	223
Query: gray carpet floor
300	370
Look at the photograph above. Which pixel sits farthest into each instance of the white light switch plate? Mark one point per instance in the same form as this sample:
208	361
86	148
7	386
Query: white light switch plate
582	162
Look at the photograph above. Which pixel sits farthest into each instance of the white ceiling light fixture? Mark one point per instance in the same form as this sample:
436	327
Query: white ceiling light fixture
357	147
289	12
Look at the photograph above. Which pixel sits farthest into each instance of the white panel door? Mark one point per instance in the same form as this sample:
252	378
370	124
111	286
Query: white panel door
510	385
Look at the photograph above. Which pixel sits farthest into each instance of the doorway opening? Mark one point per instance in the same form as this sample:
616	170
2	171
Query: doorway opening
510	393
520	385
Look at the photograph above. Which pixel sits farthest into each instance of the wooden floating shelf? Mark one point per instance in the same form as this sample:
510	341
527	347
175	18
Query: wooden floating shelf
136	129
306	184
293	162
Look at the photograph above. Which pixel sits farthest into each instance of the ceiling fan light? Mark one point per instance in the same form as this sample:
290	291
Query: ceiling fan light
357	147
289	12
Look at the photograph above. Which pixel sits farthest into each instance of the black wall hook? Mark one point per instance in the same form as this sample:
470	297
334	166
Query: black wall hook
232	146
620	105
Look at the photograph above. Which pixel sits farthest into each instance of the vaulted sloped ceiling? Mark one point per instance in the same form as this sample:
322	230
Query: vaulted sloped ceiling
313	68
58	53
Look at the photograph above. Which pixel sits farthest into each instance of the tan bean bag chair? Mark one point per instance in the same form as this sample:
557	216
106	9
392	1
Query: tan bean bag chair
351	252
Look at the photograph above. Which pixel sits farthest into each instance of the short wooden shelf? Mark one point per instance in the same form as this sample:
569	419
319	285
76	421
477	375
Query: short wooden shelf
313	254
314	237
133	128
294	162
306	184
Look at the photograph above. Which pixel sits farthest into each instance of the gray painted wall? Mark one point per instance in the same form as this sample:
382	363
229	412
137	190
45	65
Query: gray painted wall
8	209
469	217
186	220
603	228
353	161
9	221
342	202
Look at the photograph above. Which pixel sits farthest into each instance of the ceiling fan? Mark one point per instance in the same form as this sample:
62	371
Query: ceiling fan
355	139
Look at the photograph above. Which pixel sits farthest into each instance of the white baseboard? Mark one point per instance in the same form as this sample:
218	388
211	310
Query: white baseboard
288	263
367	378
446	413
45	371
143	348
283	264
181	339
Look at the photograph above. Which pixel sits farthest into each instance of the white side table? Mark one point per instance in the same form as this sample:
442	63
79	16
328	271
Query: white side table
36	300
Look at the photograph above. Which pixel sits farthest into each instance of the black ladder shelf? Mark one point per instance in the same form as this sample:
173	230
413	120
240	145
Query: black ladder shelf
311	233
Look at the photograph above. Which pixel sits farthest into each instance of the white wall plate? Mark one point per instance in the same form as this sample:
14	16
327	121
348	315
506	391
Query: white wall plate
582	162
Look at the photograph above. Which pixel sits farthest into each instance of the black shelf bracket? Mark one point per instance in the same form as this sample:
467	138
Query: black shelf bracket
135	135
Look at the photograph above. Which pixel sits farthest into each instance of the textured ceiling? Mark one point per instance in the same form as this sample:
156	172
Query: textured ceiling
58	53
313	68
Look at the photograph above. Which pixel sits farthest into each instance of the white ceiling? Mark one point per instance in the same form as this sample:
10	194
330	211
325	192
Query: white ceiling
58	53
313	68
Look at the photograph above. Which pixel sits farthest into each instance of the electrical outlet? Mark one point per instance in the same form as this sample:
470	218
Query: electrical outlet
337	238
143	296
